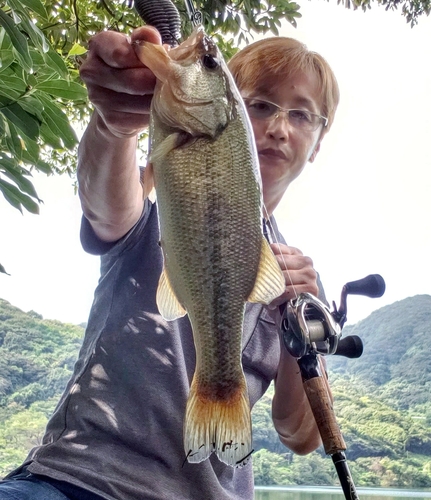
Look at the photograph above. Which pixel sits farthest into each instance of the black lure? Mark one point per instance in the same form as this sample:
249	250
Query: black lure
163	15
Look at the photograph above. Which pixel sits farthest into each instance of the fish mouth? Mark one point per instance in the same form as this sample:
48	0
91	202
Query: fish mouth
273	153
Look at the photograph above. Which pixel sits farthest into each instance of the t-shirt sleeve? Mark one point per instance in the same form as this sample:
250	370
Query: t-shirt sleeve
90	242
93	245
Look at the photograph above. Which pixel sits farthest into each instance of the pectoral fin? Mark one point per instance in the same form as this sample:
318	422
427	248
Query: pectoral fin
147	181
169	143
167	302
270	282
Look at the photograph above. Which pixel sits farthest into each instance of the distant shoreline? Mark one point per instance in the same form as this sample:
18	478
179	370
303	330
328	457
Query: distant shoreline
394	492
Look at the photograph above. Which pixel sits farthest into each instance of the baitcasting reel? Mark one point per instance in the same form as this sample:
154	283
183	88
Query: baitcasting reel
307	324
308	329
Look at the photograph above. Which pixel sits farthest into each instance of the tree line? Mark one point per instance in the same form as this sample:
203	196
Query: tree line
382	399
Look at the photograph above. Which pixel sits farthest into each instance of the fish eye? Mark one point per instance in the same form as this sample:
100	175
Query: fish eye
210	62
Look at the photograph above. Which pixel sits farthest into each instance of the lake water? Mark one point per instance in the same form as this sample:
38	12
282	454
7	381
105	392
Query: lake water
333	493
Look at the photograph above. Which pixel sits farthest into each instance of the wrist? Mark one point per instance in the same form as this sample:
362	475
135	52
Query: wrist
109	133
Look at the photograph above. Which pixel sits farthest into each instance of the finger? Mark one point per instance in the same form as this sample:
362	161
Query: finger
146	33
303	280
124	113
294	262
116	50
135	81
302	276
119	101
125	124
112	59
291	292
113	49
280	248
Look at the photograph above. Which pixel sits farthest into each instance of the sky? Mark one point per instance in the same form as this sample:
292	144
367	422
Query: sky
362	207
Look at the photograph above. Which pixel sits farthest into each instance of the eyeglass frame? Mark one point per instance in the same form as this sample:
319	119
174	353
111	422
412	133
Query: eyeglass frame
279	109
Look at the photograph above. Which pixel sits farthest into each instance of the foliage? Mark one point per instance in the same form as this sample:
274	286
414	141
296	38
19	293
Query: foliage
36	361
37	87
393	340
388	434
410	9
274	468
40	93
41	42
382	404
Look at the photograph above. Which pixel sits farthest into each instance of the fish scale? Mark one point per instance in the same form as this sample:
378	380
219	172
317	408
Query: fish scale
203	164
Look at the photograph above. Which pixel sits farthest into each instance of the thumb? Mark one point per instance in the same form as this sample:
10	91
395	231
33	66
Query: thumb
147	34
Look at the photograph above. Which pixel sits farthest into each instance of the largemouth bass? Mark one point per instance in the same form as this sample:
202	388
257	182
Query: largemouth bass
205	170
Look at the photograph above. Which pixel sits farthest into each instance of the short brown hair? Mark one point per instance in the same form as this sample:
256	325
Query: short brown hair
278	58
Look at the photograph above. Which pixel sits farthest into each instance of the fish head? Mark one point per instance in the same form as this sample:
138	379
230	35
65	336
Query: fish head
193	92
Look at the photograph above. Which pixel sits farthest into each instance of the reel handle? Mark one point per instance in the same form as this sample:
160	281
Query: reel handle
372	286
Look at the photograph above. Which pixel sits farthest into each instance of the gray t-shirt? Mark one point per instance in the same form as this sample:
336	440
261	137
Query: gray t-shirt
118	428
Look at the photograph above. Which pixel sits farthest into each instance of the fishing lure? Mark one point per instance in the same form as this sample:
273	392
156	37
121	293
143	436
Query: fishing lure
164	16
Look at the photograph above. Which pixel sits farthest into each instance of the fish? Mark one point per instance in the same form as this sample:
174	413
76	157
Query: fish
204	168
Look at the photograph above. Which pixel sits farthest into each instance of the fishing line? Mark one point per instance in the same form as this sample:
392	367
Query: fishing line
272	238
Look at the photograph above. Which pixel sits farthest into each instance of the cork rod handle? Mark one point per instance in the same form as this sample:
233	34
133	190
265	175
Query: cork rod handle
323	412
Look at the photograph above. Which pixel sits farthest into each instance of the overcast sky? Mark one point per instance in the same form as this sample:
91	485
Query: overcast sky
362	207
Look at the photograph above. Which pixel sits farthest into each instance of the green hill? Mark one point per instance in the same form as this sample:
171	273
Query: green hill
382	400
382	403
36	361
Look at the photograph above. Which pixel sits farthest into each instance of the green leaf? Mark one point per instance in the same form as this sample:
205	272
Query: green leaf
13	142
10	195
36	6
12	81
32	105
10	94
49	137
17	198
36	36
23	120
4	124
77	50
56	63
6	58
57	123
27	24
42	166
30	154
62	88
12	170
18	40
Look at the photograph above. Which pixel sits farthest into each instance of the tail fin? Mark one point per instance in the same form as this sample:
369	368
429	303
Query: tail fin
223	426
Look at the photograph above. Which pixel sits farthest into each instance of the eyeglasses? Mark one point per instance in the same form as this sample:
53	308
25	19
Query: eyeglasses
298	118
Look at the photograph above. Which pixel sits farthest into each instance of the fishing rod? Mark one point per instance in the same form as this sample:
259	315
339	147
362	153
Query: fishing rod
309	329
195	16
